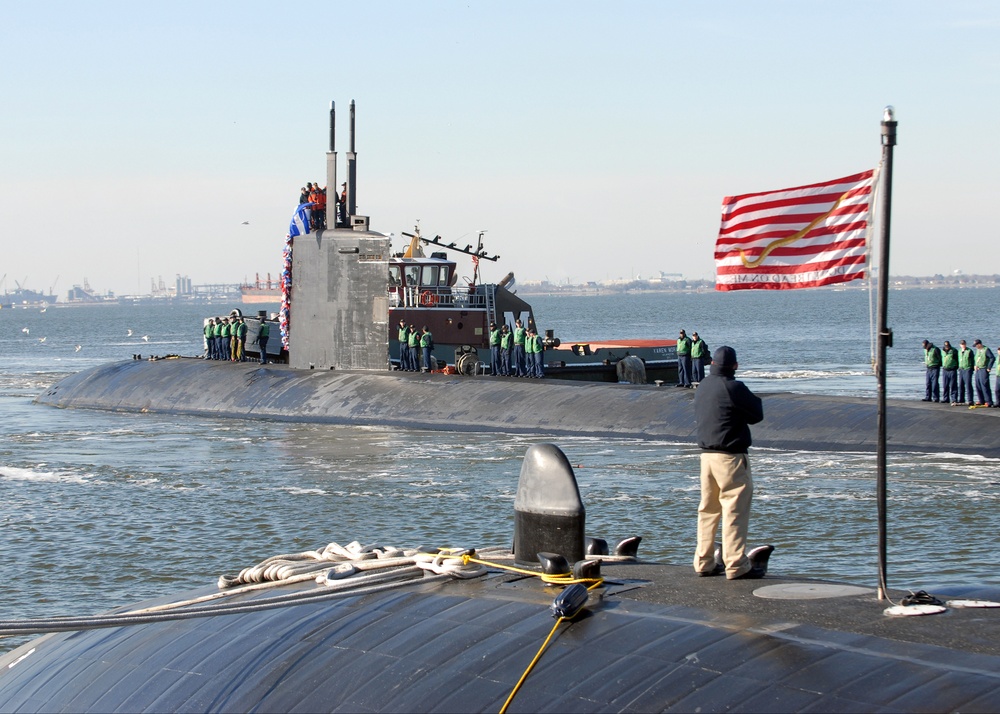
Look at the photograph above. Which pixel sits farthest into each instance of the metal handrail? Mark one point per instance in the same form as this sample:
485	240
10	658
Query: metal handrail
444	297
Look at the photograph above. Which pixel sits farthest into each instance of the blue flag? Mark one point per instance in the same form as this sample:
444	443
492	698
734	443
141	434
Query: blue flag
300	220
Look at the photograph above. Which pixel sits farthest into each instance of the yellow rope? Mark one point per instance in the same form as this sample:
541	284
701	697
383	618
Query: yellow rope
531	666
541	649
558	579
563	579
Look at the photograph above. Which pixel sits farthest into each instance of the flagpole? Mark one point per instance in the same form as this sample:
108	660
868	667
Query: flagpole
884	335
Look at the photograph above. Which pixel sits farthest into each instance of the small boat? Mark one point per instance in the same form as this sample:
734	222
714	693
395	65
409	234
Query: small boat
261	292
426	291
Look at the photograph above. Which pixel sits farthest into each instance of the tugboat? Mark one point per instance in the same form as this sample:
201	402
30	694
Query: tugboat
426	291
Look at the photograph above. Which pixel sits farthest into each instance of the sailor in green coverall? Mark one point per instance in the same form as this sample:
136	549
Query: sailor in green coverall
426	345
404	346
699	355
683	360
413	340
506	340
949	374
932	361
519	354
494	349
966	366
210	339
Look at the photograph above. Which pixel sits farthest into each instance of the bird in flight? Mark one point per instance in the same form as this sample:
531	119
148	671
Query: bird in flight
78	348
245	223
41	339
25	330
130	333
145	338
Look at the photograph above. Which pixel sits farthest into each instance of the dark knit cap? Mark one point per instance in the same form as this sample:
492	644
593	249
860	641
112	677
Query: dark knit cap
725	357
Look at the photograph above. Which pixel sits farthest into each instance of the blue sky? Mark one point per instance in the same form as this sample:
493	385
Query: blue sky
593	140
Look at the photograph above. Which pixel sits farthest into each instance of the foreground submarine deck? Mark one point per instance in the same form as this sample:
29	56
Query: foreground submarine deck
653	638
459	403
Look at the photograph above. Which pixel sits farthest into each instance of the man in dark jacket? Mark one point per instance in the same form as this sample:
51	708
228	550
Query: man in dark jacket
724	408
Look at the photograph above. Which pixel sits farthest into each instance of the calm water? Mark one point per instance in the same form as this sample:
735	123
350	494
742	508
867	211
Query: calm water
102	509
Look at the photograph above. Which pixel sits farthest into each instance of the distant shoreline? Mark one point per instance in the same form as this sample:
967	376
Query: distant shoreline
637	287
705	286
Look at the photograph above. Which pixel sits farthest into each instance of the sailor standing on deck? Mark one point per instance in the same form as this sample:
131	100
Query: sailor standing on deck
209	328
949	374
263	333
932	360
506	340
413	340
724	408
404	346
227	334
519	333
539	355
699	355
217	338
426	345
984	363
966	367
529	352
494	349
683	360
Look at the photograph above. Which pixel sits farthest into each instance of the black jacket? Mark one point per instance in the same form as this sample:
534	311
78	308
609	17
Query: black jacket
724	408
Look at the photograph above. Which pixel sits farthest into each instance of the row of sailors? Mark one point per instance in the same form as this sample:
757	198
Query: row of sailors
412	346
516	353
225	339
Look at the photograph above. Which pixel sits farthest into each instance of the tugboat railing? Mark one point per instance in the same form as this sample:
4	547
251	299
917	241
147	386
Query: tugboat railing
430	296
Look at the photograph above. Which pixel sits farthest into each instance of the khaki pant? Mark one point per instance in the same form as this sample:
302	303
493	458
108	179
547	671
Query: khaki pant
726	492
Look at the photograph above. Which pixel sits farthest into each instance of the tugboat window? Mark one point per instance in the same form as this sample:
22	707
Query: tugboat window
430	276
412	275
443	278
394	275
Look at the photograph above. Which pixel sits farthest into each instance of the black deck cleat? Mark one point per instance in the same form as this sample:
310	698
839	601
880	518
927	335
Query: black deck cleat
759	556
628	547
595	546
554	564
587	569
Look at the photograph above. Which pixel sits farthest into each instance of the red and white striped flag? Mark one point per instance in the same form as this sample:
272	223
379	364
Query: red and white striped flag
799	237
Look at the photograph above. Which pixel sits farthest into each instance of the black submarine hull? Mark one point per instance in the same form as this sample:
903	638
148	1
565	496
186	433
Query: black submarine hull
460	403
658	638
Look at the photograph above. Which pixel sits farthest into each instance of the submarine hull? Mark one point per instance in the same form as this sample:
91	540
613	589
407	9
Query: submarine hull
462	403
656	638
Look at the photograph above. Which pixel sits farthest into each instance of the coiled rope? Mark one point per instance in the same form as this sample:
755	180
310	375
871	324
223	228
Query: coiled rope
373	569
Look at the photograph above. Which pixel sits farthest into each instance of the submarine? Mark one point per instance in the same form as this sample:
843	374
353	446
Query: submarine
560	621
337	362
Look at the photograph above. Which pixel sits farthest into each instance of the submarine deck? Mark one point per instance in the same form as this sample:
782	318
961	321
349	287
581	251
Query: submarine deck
460	403
654	638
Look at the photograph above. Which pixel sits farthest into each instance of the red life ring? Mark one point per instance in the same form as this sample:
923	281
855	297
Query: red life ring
428	299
